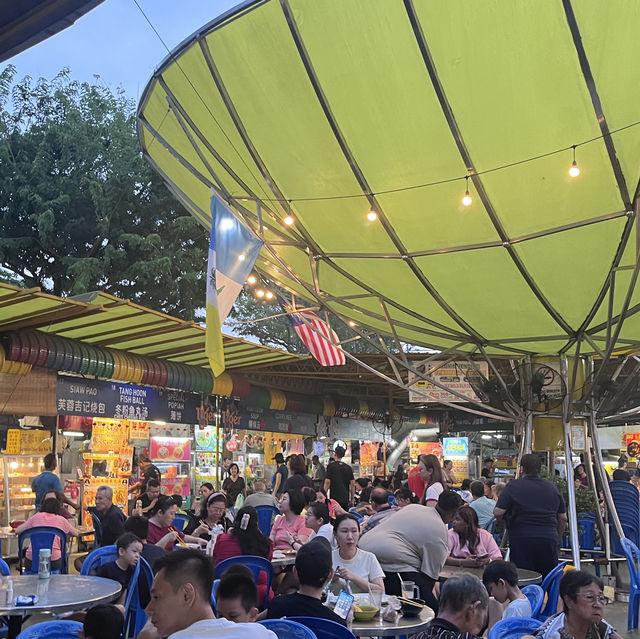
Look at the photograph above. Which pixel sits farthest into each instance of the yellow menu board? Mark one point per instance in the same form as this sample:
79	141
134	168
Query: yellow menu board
28	442
109	435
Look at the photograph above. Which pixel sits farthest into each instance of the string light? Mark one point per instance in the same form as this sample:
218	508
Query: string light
241	257
352	323
466	198
288	220
372	216
269	295
260	293
574	169
252	279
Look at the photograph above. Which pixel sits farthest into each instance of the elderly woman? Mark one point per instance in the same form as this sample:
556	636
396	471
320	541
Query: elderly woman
213	512
470	545
583	602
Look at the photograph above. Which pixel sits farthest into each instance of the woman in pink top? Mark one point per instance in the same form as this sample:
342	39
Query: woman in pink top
289	527
469	545
48	515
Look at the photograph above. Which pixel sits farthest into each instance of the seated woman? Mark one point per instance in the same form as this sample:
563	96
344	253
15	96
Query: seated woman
161	532
404	497
245	538
213	512
583	602
469	545
48	515
360	567
289	529
335	508
63	500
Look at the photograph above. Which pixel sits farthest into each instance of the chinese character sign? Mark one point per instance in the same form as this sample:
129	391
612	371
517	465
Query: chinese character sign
455	446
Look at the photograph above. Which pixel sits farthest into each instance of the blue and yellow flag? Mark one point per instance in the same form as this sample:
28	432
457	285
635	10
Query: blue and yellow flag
233	250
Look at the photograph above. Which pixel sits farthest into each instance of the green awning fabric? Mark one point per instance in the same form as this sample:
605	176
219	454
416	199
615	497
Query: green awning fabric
328	109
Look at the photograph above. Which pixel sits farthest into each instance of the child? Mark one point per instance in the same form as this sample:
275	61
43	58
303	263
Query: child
121	570
315	569
501	580
237	595
103	621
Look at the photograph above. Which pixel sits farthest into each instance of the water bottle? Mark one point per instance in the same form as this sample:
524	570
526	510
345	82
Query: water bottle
9	592
44	563
138	510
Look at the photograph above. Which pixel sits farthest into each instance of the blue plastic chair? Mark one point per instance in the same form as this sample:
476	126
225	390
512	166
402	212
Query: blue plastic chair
214	592
5	571
514	628
625	499
632	553
42	537
287	629
535	595
52	630
359	516
324	628
266	515
98	557
135	617
551	587
255	563
97	530
180	521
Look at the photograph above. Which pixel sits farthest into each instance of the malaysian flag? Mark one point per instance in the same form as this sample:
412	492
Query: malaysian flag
316	335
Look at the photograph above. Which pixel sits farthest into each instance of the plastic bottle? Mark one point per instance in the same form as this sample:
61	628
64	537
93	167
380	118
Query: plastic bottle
139	507
44	563
9	592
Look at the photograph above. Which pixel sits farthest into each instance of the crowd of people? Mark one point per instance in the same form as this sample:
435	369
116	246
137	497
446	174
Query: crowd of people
348	534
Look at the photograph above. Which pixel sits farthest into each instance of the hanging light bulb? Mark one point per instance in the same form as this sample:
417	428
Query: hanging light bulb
260	293
252	279
241	257
466	198
288	220
372	216
574	169
269	295
352	323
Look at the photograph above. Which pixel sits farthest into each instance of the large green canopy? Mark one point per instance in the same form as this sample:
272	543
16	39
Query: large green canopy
326	109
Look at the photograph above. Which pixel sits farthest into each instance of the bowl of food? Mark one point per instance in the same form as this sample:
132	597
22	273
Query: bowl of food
411	607
364	612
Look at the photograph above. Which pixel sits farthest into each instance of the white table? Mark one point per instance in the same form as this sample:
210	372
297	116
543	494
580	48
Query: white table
59	593
402	627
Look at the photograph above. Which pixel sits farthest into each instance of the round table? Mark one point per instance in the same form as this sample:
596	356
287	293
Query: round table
403	626
288	560
525	577
59	593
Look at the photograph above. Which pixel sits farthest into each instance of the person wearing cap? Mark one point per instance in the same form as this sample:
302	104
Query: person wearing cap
280	476
414	544
314	569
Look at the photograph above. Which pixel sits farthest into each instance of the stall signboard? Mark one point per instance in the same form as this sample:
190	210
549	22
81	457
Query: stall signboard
108	435
98	398
28	442
206	438
425	448
630	440
13	441
452	375
168	449
455	447
235	416
139	431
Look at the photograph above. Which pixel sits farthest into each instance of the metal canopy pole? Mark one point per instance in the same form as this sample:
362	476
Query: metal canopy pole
568	464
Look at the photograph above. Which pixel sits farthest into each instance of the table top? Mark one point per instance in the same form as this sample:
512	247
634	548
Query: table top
59	592
288	560
525	577
402	626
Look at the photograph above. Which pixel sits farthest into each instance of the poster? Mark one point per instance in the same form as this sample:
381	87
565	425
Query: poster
109	435
168	449
139	431
13	441
425	448
451	375
125	460
369	453
119	486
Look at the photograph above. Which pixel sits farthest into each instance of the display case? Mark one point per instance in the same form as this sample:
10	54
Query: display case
208	449
172	456
17	500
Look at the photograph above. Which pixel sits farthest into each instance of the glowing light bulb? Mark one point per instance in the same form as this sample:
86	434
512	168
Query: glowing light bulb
260	293
252	279
574	169
241	257
269	295
372	216
288	220
467	199
352	323
226	224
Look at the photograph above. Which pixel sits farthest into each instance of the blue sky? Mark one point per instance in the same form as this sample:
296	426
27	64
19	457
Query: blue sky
115	41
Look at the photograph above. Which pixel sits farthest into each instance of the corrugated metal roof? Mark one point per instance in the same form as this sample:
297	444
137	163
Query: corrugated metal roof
104	320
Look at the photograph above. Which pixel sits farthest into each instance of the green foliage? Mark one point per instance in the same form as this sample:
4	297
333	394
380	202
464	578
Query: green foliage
585	498
80	209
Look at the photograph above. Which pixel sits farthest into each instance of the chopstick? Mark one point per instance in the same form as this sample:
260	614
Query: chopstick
410	602
204	523
179	539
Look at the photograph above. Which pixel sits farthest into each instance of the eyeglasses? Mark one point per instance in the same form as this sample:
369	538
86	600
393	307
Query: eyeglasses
600	599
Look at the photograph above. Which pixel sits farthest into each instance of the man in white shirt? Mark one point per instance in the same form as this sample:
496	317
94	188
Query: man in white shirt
180	606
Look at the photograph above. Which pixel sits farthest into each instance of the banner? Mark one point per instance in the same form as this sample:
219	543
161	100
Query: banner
425	448
451	375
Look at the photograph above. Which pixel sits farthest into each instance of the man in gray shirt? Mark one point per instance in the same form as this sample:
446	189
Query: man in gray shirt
260	497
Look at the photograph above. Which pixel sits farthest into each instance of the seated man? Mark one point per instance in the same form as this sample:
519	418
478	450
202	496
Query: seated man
481	503
315	569
110	516
463	610
180	606
237	595
150	496
260	496
381	509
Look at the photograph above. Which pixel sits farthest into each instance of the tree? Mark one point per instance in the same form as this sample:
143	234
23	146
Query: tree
80	209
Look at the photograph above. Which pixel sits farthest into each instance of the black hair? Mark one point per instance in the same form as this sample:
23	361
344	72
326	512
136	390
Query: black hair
125	540
487	460
363	482
477	488
314	563
339	452
252	541
207	484
296	501
144	459
309	494
449	500
465	484
379	496
178	500
470	535
404	493
531	464
104	621
499	569
153	483
345	517
365	493
320	510
163	504
138	525
51	505
187	566
50	461
237	581
217	496
278	458
232	465
573	580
